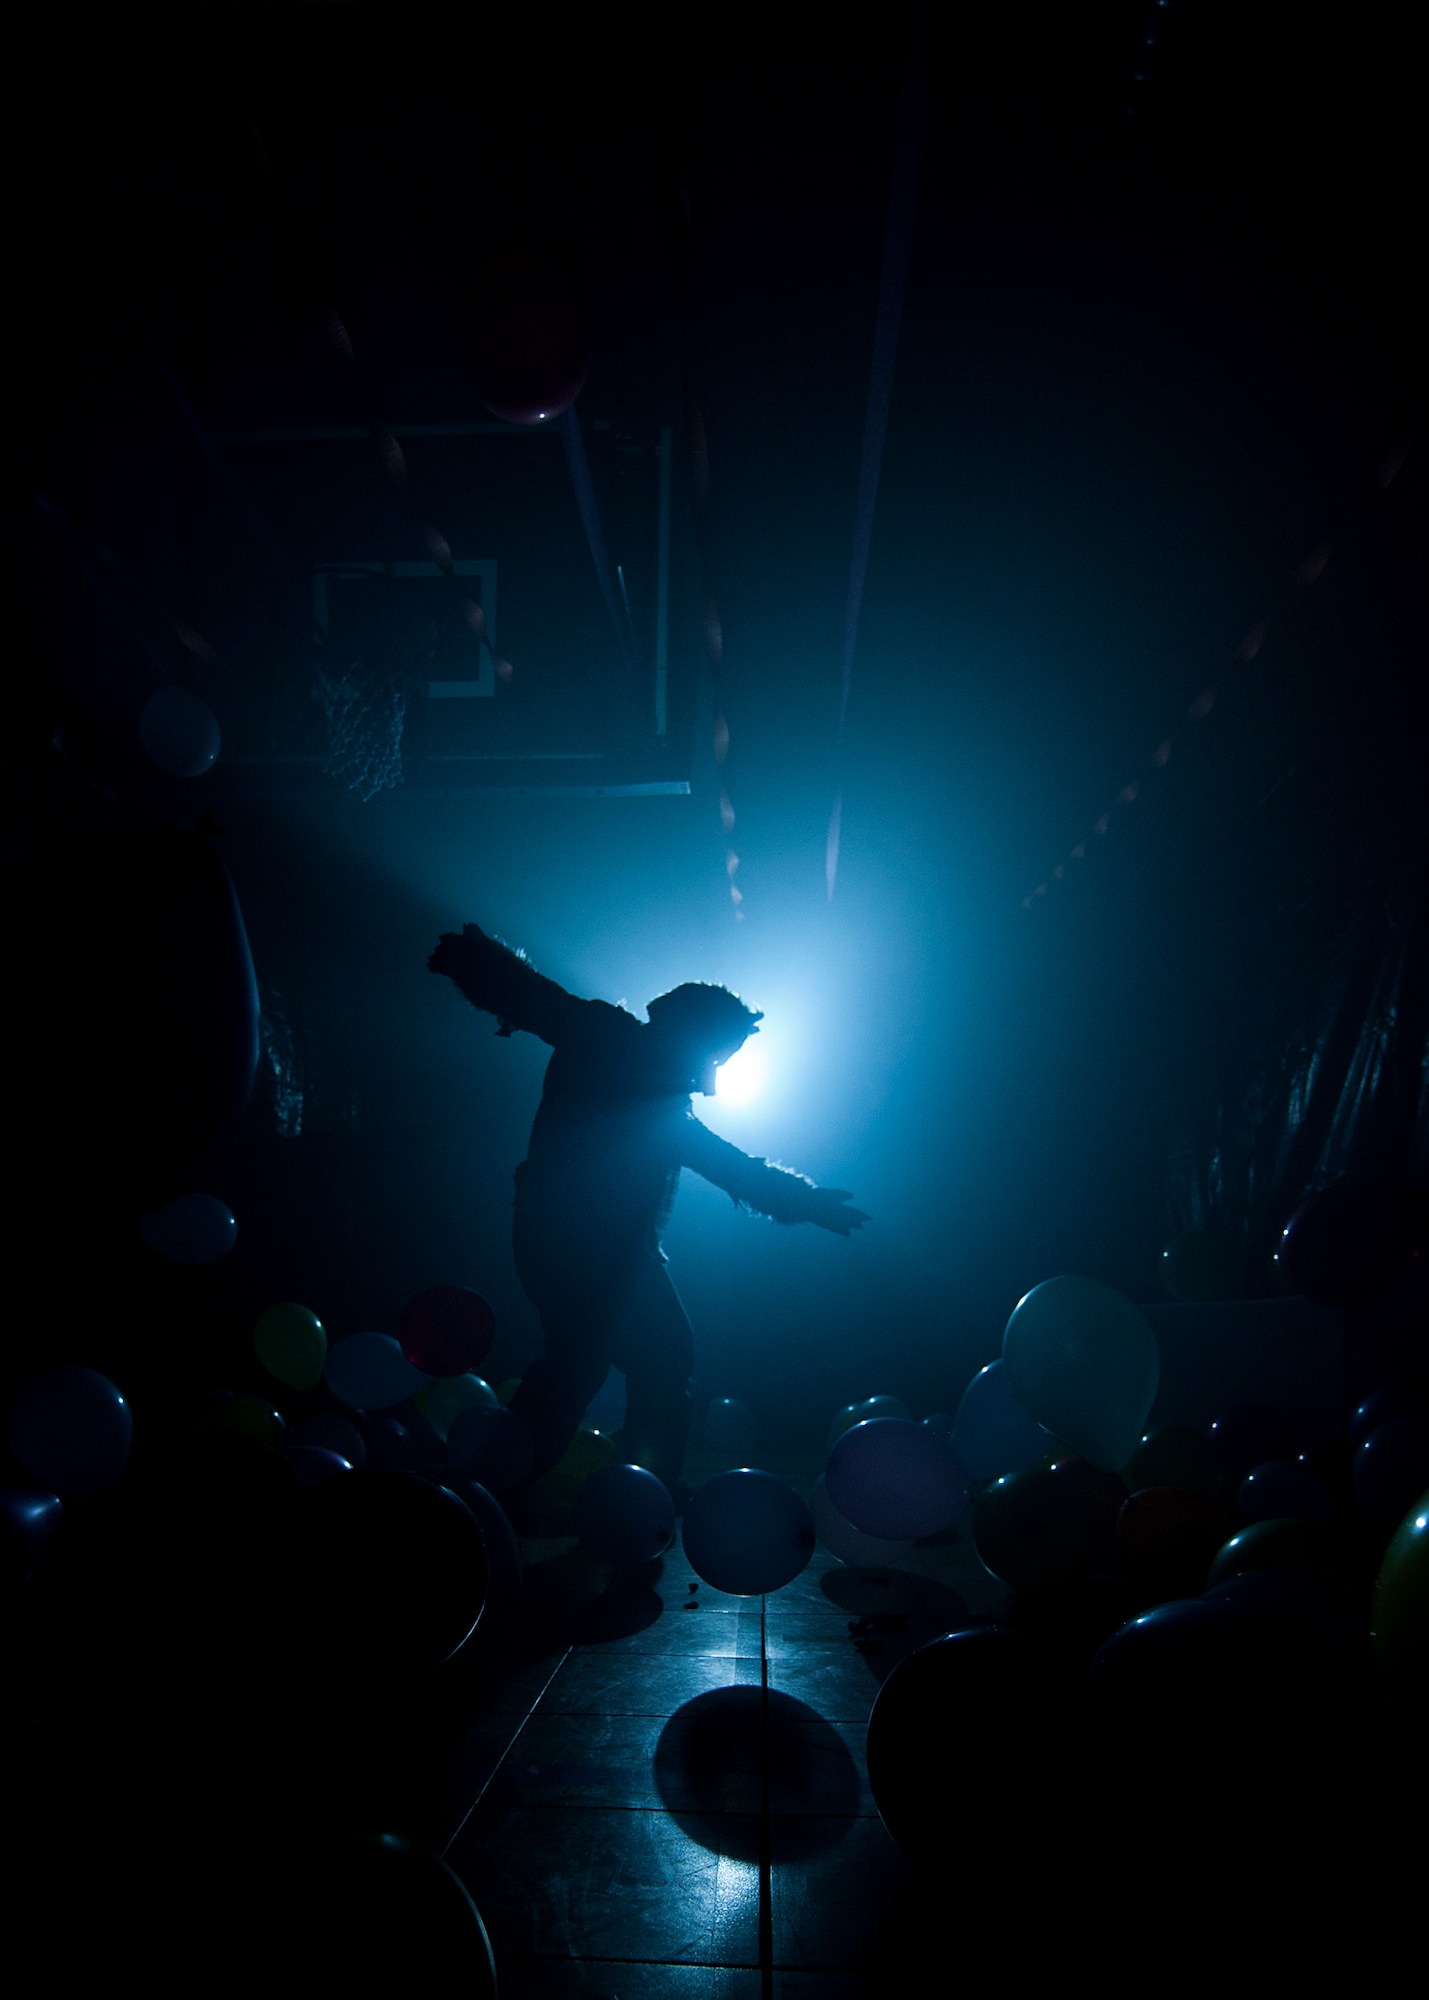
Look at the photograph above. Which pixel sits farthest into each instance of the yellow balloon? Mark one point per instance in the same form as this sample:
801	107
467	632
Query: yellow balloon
586	1453
1400	1621
506	1390
290	1342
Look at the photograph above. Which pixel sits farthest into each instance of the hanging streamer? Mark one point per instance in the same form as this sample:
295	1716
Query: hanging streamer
579	465
897	248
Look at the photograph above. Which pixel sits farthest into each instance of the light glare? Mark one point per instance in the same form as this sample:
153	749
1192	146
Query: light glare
741	1079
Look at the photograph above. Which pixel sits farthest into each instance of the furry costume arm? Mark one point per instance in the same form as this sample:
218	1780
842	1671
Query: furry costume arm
772	1190
503	982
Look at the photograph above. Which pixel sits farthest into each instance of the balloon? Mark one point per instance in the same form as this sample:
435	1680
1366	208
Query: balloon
503	1552
747	1533
624	1515
1168	1538
728	1427
492	1447
194	1229
291	1343
1227	1700
506	1388
27	1520
1391	1467
1285	1489
369	1371
427	1447
965	1733
941	1421
391	1571
1358	1241
1044	1524
1201	1265
447	1330
71	1430
1082	1359
1271	1545
351	1918
992	1433
451	1396
250	1418
390	1445
861	1413
1247	1435
892	1478
842	1539
1400	1620
312	1462
523	335
587	1453
1383	1407
331	1432
1175	1455
179	733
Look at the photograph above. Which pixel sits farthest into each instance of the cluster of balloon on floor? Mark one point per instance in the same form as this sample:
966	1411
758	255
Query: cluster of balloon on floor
1046	1463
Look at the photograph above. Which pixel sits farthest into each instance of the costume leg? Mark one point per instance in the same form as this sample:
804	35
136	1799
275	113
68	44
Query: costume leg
653	1341
556	1391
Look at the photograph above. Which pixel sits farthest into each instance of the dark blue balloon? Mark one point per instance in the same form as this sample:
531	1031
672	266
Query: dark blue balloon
747	1532
503	1551
1385	1406
624	1515
992	1433
966	1733
71	1430
27	1520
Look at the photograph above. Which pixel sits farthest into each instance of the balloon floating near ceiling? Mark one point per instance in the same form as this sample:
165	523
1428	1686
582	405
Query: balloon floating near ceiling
523	336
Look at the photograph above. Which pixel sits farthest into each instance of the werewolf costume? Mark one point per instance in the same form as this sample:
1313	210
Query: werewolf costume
613	1130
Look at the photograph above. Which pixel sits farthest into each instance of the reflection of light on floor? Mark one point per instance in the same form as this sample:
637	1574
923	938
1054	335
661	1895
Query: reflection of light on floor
736	1896
742	1078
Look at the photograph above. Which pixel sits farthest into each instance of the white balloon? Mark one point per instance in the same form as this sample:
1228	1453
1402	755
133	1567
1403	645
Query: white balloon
179	732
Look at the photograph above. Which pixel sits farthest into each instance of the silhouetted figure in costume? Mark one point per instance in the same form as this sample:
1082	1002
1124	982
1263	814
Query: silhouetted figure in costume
613	1130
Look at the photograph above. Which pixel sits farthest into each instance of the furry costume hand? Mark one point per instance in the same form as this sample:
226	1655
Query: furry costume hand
830	1213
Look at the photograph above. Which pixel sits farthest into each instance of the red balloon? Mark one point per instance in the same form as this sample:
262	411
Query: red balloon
523	337
447	1330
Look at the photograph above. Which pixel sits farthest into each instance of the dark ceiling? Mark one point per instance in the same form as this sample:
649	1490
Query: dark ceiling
1160	342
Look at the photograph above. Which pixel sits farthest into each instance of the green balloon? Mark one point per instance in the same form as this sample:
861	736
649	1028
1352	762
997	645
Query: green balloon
1400	1622
249	1417
290	1342
1039	1526
1202	1265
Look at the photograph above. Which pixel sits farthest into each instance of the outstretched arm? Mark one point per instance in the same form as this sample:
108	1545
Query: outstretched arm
503	982
775	1191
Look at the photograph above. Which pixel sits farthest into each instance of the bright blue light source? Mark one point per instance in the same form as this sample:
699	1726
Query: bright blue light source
742	1078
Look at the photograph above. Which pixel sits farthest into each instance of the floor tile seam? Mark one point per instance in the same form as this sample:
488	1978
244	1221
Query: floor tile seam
491	1774
623	1806
516	1958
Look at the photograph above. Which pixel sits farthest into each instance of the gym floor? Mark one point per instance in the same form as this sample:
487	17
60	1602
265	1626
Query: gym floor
658	1789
